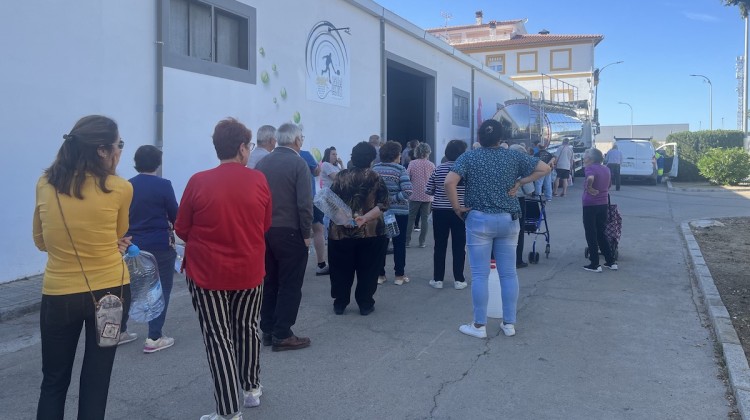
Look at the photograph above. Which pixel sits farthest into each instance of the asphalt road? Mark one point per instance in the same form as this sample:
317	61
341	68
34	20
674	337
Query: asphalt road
631	344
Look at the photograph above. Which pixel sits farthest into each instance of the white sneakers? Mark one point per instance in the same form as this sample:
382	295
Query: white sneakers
127	337
460	285
474	331
401	280
252	397
152	346
382	279
508	329
436	284
481	332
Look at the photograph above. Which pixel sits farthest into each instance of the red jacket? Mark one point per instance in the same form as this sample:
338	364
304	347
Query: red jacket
223	216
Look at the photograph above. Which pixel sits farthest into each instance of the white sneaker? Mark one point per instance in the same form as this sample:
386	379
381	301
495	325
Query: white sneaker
382	279
612	266
252	397
460	285
152	346
508	329
127	337
436	284
217	416
470	329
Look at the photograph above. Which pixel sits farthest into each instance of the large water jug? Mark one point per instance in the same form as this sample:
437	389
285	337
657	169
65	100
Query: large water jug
146	297
334	207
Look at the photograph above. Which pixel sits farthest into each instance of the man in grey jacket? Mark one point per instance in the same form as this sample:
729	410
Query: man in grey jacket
288	239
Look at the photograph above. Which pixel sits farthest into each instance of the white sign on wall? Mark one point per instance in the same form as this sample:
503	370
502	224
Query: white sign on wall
327	60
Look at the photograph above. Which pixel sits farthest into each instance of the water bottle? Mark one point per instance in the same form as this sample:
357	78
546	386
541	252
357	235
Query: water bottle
180	251
334	207
391	227
146	297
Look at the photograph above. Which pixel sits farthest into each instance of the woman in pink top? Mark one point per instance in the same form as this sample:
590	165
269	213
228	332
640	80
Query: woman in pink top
419	170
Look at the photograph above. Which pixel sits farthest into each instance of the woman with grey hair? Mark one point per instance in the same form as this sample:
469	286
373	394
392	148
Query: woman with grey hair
595	203
420	203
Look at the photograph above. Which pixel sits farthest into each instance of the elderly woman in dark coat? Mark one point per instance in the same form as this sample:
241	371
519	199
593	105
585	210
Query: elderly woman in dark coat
358	249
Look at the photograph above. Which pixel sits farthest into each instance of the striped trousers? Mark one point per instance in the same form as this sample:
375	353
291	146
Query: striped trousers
229	323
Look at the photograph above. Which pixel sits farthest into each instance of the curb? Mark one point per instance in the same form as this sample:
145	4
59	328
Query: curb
672	188
19	310
734	356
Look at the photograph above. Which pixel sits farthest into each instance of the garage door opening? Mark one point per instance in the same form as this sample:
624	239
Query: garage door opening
410	104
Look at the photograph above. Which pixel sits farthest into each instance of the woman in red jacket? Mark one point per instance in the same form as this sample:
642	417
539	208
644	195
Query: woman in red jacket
223	216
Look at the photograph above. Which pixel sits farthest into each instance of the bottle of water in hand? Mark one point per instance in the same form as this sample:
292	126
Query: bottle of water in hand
146	297
391	227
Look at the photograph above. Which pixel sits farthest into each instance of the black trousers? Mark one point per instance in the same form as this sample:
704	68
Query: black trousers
594	223
355	256
60	320
521	233
444	223
286	260
614	169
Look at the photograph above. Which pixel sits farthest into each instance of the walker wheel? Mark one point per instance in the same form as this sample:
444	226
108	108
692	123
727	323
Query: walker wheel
536	258
546	251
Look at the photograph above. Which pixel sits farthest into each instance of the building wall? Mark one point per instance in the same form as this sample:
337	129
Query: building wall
574	73
77	58
658	132
88	57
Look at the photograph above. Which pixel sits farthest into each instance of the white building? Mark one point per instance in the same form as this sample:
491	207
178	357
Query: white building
558	68
168	70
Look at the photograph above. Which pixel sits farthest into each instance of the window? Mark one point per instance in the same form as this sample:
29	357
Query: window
561	60
526	62
214	37
460	107
496	62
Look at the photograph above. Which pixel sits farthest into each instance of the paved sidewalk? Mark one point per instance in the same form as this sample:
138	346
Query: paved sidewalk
20	297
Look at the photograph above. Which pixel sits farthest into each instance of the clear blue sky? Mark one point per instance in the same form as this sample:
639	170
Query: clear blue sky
660	42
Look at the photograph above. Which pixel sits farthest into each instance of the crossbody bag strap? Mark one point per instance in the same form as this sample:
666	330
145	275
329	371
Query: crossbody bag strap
78	257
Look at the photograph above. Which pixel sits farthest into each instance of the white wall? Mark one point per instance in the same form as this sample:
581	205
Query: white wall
62	61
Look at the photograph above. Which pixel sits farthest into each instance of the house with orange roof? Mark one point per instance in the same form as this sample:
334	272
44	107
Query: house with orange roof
556	68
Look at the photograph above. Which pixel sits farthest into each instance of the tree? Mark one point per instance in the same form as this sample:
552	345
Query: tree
744	6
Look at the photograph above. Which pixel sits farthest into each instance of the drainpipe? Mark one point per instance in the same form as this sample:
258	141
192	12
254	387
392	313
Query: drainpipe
159	107
474	105
383	83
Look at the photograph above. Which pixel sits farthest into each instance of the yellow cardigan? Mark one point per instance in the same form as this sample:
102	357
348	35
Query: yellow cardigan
96	223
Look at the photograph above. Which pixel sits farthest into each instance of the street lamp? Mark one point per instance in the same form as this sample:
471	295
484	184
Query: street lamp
597	73
710	100
631	117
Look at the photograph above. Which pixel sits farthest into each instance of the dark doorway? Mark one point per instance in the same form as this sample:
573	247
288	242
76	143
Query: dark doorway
410	104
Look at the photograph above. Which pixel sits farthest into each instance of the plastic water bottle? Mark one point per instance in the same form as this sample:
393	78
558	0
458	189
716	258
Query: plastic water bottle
146	297
391	227
334	207
180	251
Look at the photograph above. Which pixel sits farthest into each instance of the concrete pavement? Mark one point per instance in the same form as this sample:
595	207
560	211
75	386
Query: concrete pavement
629	344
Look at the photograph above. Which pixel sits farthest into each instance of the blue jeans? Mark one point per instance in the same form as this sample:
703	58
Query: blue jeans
545	181
488	233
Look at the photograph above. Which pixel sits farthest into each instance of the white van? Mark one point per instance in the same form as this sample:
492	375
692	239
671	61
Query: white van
637	160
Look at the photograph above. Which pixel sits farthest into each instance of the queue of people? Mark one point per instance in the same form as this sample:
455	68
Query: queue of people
245	269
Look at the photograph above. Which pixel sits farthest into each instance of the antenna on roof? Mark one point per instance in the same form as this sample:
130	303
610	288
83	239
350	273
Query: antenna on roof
447	16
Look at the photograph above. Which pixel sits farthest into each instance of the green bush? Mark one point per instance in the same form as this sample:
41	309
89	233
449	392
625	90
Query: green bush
725	166
692	145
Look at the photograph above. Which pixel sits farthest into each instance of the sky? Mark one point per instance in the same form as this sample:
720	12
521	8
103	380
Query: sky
660	42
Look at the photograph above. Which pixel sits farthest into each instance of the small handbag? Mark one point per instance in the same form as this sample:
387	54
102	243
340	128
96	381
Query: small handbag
108	310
